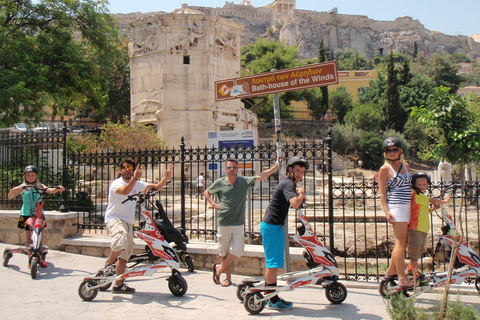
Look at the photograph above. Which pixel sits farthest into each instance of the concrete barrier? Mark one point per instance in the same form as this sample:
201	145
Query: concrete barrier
60	225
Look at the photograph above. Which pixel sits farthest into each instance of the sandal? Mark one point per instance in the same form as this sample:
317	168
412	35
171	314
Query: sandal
226	283
216	278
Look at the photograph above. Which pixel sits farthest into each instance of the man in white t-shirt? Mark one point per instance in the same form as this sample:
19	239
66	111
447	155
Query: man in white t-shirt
121	217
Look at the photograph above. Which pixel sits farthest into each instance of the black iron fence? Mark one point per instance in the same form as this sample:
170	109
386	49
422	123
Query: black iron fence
345	212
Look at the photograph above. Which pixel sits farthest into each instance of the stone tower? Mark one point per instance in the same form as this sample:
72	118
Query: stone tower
175	60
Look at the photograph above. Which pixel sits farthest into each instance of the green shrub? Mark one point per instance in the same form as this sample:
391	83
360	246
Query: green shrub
402	308
344	138
369	148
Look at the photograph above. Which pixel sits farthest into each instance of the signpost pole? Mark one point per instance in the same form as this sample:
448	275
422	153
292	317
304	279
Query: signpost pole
278	134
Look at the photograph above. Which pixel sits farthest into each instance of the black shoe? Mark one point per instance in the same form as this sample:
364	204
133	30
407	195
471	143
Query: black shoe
123	288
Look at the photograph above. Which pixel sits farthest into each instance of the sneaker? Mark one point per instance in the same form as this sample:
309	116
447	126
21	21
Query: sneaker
123	288
420	279
280	304
43	264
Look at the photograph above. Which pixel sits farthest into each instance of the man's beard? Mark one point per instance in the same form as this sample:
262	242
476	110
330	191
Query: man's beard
127	176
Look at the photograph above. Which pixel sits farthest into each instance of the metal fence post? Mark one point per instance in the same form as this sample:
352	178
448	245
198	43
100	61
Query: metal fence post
64	206
182	188
329	141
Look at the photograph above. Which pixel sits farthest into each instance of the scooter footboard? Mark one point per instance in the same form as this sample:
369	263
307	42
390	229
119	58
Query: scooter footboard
457	278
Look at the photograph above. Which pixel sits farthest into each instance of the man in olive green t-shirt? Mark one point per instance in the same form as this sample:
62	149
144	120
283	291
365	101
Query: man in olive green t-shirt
232	192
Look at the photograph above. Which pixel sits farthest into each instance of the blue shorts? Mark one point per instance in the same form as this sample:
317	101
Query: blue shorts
273	239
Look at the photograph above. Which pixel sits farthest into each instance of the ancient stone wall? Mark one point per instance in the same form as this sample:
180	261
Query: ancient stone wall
175	60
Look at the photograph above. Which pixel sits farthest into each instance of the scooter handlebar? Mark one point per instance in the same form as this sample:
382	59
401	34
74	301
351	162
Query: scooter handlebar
141	195
39	189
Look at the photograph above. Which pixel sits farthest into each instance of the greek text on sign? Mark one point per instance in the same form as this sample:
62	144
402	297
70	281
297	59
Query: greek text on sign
310	76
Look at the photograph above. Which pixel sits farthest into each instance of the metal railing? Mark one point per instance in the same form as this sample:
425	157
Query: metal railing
345	212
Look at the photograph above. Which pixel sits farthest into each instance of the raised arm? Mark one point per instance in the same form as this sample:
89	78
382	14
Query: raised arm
267	173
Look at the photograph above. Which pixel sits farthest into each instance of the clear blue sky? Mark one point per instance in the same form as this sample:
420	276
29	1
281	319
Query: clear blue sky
459	17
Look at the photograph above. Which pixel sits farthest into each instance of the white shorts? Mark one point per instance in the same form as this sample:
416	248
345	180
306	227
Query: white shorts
401	212
231	239
122	234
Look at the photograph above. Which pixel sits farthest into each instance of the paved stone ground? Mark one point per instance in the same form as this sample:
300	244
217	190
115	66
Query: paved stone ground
53	295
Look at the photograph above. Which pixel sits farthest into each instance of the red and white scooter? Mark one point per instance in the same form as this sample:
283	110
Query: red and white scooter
89	287
323	271
468	261
35	250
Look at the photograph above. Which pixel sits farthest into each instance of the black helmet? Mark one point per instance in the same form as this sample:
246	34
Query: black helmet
297	160
392	142
30	169
417	175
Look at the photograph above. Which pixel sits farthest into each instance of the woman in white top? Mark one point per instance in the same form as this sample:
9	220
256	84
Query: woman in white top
395	196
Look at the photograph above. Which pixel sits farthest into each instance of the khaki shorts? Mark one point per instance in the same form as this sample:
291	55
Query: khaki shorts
122	237
231	239
416	244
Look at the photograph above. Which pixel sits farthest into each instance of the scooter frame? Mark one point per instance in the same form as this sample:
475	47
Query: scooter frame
177	285
148	255
324	271
35	251
388	285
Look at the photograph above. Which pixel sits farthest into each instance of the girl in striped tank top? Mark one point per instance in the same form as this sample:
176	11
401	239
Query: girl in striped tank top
395	196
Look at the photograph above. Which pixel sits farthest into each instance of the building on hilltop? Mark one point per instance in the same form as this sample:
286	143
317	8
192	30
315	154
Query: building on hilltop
282	5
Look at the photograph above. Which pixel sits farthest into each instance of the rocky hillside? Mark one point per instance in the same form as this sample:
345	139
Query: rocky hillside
339	31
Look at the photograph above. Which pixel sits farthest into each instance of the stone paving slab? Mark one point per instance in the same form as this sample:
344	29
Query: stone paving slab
53	295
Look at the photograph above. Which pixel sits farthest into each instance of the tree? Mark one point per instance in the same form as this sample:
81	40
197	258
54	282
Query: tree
366	117
443	72
456	132
375	92
118	103
395	116
351	59
54	54
369	146
340	103
404	75
415	50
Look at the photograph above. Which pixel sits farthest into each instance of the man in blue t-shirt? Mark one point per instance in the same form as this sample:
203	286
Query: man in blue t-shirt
286	194
232	192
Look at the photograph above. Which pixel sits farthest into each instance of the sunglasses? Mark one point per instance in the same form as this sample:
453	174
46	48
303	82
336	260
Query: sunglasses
387	151
231	168
127	167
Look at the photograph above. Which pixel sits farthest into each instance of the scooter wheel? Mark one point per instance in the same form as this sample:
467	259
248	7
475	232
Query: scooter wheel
189	264
241	289
253	306
33	267
336	292
385	287
6	257
477	284
84	293
177	285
